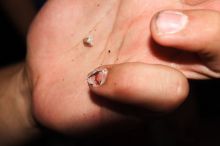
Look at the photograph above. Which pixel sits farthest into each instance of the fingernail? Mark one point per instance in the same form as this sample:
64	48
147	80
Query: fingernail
169	22
97	77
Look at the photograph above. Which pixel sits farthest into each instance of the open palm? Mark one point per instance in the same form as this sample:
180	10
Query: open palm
59	61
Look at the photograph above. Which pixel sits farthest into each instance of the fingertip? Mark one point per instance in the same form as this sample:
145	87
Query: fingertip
165	24
154	87
189	30
97	77
179	93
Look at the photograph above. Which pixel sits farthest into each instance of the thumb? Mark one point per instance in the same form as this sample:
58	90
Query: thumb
154	87
196	31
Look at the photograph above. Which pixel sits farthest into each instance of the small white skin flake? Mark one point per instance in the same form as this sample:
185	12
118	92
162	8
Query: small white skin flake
88	41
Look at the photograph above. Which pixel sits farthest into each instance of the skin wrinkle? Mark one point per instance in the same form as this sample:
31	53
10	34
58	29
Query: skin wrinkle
122	43
129	59
142	13
120	47
123	37
107	42
101	19
91	30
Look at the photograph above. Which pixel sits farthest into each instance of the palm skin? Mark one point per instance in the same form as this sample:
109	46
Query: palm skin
58	62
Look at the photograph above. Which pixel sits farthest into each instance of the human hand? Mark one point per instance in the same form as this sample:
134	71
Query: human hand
58	61
196	40
192	48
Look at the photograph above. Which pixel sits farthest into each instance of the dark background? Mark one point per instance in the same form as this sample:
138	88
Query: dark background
196	122
12	44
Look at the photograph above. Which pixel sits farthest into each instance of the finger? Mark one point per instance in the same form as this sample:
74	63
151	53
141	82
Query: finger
155	87
196	31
